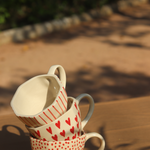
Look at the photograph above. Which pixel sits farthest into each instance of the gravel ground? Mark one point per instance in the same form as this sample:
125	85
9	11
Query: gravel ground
106	58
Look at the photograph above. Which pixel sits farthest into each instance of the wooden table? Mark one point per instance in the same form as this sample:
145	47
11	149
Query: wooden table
125	125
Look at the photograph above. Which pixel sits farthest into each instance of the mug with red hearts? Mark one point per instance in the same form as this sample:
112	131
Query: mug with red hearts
68	126
74	144
42	99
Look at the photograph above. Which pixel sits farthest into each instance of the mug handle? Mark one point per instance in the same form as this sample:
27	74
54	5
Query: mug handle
61	72
91	107
94	134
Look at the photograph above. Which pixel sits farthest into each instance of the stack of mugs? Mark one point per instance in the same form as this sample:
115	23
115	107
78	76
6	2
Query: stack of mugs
52	118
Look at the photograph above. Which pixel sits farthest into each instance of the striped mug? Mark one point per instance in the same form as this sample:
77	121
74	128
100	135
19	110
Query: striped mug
41	99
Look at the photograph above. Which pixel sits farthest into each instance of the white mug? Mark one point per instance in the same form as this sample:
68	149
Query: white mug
75	144
42	99
68	126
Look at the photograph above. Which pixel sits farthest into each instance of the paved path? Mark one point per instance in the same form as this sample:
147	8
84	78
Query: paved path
109	59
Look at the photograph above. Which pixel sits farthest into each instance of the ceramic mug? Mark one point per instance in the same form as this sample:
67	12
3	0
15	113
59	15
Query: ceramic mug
66	127
42	99
75	144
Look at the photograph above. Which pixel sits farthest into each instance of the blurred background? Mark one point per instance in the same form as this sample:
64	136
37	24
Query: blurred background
107	57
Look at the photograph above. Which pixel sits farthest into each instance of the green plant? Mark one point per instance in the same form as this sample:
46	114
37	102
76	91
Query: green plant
17	13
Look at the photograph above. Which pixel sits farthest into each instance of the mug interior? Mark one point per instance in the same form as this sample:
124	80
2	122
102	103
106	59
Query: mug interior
35	95
69	103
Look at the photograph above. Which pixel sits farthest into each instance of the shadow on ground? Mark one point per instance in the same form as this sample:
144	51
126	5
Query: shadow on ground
102	83
129	18
107	84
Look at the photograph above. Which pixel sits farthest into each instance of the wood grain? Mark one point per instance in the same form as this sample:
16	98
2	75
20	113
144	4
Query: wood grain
125	125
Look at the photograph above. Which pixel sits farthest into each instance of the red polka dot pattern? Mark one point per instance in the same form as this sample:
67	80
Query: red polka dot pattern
76	144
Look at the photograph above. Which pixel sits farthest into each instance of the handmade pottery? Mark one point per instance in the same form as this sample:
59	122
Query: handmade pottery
41	99
67	126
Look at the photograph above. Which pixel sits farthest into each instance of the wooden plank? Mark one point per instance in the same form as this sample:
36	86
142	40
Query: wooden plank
125	125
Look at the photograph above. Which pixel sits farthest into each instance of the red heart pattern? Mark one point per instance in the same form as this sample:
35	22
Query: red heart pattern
79	113
72	130
49	130
67	139
78	132
62	133
68	121
55	137
44	139
38	133
75	106
74	136
58	124
76	119
72	120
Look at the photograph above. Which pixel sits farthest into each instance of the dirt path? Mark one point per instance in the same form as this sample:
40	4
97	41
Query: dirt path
109	59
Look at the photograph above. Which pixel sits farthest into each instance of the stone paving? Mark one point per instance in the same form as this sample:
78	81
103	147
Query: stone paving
107	58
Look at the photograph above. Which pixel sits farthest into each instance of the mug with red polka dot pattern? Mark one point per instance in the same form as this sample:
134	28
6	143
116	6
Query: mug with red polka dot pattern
75	144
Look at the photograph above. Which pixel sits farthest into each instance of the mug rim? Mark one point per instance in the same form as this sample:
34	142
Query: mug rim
33	78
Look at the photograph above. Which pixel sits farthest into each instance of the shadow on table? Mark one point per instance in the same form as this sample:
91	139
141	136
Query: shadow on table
12	141
119	146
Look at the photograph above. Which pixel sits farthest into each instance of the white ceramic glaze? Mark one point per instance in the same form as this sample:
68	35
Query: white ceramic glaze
75	144
42	99
68	126
61	73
